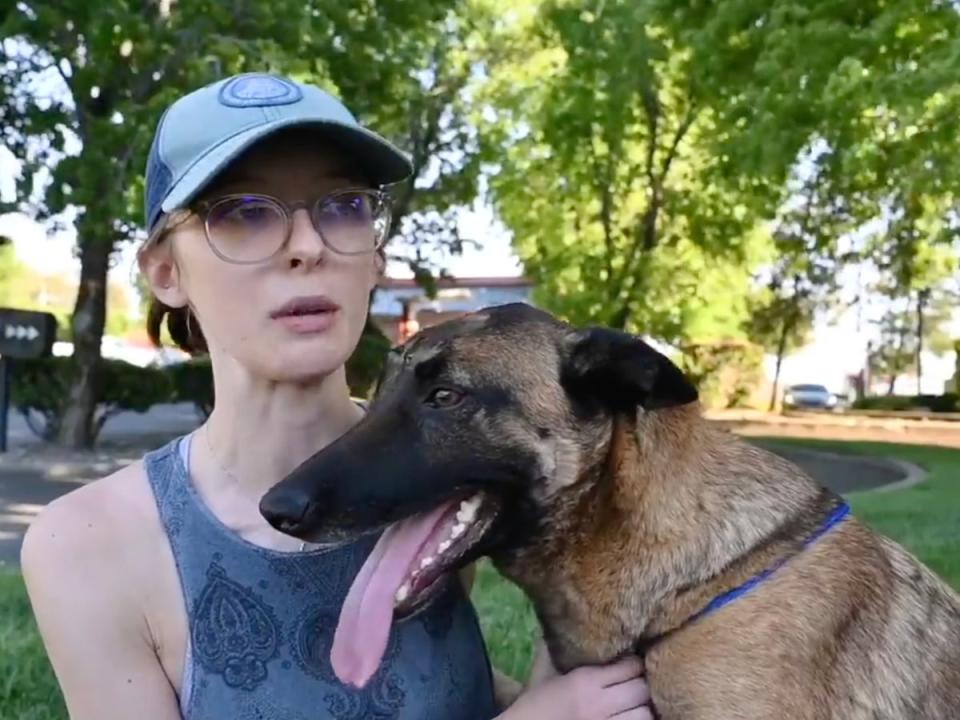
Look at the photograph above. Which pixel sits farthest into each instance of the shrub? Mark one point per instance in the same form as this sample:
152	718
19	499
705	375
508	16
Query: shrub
364	366
948	402
40	389
727	374
192	382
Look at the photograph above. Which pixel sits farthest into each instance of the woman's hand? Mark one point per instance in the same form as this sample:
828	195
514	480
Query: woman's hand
617	690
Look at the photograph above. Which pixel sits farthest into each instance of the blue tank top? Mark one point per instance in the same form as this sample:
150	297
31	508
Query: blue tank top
261	625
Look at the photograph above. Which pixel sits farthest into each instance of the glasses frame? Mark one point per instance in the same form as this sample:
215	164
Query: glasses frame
287	210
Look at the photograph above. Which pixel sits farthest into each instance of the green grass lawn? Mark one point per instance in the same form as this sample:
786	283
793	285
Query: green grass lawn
926	519
28	690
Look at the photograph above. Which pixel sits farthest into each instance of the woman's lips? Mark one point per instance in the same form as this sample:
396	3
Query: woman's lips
306	315
308	323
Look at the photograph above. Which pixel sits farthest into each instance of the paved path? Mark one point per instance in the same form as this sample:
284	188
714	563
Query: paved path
848	473
32	475
122	428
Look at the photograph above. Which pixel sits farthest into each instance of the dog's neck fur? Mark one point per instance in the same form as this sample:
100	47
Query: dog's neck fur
652	517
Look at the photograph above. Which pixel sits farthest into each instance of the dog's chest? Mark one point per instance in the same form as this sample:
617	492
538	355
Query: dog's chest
580	625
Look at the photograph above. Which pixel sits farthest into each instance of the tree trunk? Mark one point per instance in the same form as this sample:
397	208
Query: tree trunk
893	382
619	319
921	300
781	350
77	429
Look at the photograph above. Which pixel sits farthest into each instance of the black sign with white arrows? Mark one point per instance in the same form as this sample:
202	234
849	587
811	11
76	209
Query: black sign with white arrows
26	334
23	334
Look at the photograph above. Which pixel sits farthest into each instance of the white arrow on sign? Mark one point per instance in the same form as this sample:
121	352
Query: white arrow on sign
20	332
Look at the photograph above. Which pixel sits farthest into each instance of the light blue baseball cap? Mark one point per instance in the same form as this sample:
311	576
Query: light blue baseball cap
200	134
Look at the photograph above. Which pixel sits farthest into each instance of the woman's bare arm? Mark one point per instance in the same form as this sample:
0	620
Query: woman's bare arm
86	601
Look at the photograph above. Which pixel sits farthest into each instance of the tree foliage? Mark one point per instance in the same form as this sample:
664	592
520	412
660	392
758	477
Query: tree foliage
782	71
642	144
804	277
82	86
602	178
642	153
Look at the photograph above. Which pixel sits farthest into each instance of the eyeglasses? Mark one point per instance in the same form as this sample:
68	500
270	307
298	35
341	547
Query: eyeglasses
250	228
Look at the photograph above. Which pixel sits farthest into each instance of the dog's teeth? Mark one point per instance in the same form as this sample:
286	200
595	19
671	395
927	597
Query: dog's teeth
402	593
458	530
468	509
426	562
444	546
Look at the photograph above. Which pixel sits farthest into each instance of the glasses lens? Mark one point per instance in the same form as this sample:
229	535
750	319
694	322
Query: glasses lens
246	228
353	221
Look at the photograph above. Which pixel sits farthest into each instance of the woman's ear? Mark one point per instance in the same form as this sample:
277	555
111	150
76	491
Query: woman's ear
159	266
379	269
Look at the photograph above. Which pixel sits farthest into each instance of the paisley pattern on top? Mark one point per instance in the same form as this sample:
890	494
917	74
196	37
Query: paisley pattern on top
261	626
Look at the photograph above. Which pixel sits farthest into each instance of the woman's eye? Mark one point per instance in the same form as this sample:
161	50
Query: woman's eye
444	398
243	212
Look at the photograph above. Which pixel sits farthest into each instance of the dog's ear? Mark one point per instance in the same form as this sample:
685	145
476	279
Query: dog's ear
621	371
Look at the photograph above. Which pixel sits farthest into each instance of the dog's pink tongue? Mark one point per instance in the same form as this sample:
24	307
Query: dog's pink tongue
364	627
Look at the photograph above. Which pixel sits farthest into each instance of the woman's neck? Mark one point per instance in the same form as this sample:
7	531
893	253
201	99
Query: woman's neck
259	431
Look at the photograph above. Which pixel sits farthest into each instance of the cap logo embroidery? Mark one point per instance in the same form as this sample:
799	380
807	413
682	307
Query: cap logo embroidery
259	91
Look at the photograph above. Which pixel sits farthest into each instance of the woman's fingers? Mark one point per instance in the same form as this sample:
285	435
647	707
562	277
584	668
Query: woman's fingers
643	713
620	671
630	695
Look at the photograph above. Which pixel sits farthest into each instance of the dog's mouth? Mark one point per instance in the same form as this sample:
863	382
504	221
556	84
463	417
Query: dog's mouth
461	527
405	569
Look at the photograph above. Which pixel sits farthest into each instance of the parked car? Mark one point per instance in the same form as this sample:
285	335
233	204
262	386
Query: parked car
809	395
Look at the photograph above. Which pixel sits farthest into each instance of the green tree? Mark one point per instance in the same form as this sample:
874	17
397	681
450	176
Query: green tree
917	283
874	82
82	86
10	269
600	174
896	349
780	71
804	277
908	328
23	287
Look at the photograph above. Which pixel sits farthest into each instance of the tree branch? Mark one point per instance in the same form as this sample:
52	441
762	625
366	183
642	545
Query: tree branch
645	235
651	107
601	183
682	131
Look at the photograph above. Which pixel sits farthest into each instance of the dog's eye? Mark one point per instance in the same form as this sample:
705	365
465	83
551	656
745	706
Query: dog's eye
444	398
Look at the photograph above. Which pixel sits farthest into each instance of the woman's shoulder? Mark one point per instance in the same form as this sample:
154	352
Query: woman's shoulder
90	567
93	526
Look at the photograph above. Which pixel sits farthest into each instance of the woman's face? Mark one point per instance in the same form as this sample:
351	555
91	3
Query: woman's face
245	310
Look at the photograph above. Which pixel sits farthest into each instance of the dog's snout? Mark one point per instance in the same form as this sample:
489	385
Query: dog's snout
285	509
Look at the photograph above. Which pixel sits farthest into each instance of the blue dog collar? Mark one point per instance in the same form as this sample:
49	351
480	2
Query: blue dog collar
840	513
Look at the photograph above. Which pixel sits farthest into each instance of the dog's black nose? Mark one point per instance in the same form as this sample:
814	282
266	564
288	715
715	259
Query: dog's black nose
284	509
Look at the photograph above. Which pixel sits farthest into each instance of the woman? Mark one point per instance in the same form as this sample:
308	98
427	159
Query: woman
160	591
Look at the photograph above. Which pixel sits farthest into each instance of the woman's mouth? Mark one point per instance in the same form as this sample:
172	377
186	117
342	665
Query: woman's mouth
306	315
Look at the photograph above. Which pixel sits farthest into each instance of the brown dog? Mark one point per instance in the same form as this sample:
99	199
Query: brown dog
579	462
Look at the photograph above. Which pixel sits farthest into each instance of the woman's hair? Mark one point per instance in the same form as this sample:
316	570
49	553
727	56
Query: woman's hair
182	324
183	327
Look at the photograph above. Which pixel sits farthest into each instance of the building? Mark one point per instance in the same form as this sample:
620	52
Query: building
401	307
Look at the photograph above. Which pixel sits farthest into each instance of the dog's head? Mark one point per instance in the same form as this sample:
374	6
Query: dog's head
478	426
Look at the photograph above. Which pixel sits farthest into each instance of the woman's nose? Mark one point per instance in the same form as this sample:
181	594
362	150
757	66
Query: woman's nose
305	243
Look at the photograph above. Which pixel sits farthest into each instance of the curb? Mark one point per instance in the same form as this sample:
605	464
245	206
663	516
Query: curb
911	473
913	476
